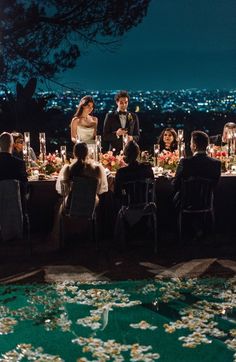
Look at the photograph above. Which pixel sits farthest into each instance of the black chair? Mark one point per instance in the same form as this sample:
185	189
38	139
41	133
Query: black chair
138	200
79	201
196	198
14	221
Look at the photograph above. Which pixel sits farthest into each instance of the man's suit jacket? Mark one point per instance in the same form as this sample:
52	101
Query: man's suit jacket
111	125
14	169
199	165
217	140
132	172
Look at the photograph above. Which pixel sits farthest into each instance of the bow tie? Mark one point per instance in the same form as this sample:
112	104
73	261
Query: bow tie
124	113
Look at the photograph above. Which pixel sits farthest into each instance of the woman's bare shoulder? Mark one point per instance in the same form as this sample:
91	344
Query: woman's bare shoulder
95	119
75	119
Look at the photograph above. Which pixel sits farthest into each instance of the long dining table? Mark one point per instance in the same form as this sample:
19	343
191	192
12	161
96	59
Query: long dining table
43	203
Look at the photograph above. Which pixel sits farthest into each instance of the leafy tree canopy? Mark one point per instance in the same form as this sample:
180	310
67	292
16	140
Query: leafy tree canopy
43	38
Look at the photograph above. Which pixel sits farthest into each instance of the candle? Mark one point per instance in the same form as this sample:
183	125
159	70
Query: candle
63	153
156	154
26	152
98	149
42	145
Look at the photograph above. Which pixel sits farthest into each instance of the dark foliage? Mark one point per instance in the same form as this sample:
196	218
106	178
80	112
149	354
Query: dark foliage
43	38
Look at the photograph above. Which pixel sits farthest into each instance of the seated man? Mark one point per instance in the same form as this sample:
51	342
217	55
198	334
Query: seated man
199	165
134	171
18	147
12	168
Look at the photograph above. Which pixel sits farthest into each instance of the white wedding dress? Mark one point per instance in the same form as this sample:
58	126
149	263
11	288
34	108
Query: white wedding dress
85	134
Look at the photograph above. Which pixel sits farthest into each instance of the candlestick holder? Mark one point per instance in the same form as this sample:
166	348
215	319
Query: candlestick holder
230	142
180	140
42	145
26	149
210	149
182	150
156	149
98	150
63	153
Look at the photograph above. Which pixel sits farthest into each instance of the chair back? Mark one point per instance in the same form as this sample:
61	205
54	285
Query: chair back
11	216
83	197
138	193
196	195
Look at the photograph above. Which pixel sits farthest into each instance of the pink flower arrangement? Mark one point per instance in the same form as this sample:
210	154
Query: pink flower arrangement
51	165
168	160
113	163
220	154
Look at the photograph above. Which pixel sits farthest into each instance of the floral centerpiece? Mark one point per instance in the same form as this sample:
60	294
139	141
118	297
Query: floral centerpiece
168	160
112	162
51	165
221	154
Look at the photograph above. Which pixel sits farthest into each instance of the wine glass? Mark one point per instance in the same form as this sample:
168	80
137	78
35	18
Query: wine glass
180	135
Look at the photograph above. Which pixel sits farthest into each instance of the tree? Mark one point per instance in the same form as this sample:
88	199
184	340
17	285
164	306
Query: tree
43	38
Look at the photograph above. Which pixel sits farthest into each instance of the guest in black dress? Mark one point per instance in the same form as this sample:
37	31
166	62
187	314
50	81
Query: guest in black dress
168	140
134	171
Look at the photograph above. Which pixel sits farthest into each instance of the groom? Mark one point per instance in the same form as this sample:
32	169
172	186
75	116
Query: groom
120	124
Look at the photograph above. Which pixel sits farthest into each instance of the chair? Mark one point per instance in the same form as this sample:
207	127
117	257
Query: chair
80	203
138	200
196	197
13	221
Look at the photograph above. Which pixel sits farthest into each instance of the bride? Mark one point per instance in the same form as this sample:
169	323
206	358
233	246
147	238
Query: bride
83	125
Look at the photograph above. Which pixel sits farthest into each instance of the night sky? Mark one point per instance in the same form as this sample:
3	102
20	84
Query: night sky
180	44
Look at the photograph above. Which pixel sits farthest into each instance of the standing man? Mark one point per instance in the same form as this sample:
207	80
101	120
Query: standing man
120	126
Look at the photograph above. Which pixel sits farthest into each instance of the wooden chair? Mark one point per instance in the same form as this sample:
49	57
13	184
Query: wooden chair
79	202
138	200
196	198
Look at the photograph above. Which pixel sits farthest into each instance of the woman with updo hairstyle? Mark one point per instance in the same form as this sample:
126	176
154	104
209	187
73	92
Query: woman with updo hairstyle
83	166
83	124
168	140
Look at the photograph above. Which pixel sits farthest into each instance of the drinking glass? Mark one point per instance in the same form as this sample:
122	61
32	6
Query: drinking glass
180	135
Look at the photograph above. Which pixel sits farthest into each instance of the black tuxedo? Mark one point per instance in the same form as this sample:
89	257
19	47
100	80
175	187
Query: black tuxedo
111	125
132	172
12	168
199	165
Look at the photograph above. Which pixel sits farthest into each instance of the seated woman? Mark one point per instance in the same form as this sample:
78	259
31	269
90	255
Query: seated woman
168	140
83	167
134	171
83	124
221	139
18	147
